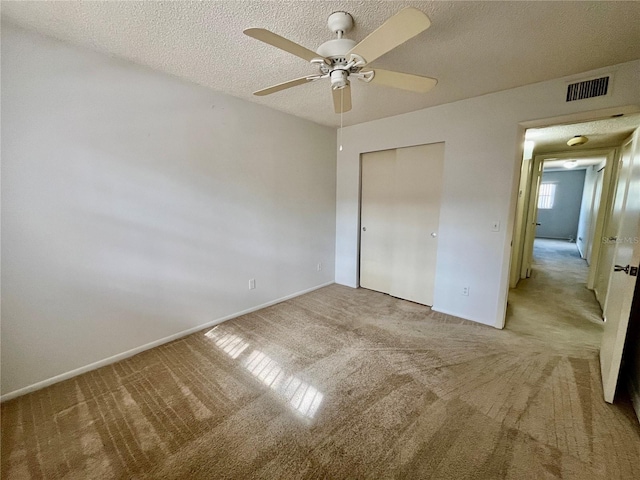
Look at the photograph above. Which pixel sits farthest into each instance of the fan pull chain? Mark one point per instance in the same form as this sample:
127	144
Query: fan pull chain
341	113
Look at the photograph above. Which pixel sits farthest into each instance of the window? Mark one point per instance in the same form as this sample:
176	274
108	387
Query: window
546	196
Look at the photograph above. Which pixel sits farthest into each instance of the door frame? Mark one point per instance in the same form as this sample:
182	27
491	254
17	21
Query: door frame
530	213
522	127
517	244
596	196
360	202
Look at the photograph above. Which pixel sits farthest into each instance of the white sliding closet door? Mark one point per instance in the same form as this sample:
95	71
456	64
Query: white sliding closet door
377	220
401	192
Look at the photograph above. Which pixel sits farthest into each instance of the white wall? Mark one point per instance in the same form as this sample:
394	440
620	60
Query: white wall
136	206
586	210
482	158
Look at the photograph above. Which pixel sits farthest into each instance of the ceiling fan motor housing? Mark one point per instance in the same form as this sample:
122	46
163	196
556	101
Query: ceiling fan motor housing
336	50
338	47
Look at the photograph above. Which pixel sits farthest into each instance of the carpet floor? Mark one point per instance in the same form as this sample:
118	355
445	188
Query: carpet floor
344	383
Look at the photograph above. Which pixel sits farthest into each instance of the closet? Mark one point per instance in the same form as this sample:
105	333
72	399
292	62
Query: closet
400	210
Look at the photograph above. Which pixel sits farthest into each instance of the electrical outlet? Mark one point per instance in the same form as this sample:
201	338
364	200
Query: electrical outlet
465	291
252	284
319	266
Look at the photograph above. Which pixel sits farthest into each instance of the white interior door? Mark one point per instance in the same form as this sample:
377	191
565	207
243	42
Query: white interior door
417	215
610	233
376	220
626	257
400	212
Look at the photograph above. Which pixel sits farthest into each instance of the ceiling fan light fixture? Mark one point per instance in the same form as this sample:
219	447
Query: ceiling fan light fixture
339	79
577	140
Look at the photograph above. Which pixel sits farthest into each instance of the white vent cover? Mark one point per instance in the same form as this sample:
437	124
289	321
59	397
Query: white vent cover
595	87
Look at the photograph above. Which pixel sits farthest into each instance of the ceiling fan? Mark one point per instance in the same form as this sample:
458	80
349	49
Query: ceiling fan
341	59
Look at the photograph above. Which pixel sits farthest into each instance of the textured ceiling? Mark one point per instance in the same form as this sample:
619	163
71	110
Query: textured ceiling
472	48
601	133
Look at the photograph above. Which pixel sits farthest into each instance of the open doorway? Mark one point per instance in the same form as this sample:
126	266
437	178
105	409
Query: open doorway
565	218
567	185
571	208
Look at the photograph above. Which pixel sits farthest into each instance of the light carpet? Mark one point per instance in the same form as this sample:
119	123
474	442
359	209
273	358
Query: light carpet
343	383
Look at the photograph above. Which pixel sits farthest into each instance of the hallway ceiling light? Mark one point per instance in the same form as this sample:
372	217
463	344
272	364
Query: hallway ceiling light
570	164
577	140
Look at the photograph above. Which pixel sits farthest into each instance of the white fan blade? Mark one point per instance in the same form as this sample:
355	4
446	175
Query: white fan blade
405	81
280	42
285	85
342	99
404	25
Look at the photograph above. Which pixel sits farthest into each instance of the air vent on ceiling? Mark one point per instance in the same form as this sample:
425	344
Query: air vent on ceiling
596	87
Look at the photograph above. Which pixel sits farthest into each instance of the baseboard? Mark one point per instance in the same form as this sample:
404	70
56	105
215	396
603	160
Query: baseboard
457	315
156	343
557	238
635	396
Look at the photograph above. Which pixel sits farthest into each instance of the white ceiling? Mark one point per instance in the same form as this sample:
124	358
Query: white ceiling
472	48
601	133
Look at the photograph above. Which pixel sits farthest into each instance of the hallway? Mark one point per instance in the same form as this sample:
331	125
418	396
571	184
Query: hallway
554	303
